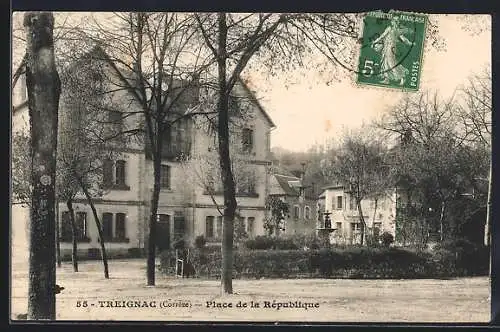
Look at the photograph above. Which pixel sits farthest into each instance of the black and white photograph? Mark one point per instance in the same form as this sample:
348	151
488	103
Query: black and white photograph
251	167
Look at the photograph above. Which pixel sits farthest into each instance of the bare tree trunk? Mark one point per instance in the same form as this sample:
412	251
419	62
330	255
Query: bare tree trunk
441	221
487	226
43	86
58	236
225	161
74	247
153	217
362	221
104	257
373	221
375	211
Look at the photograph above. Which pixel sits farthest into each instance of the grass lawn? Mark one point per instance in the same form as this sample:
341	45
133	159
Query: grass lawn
428	300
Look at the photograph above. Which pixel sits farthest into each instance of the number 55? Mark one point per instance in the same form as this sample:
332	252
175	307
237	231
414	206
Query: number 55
368	68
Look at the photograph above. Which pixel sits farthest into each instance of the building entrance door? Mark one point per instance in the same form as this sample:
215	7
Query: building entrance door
163	232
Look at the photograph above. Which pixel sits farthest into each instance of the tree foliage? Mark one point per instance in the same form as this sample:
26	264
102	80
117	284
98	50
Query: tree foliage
278	209
432	164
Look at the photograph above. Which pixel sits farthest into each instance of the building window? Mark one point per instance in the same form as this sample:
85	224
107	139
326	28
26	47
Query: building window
339	202
250	225
80	225
307	213
176	140
107	226
352	203
114	175
209	227
247	139
120	172
219	226
355	227
165	176
112	232
339	226
246	184
116	123
296	212
179	225
120	226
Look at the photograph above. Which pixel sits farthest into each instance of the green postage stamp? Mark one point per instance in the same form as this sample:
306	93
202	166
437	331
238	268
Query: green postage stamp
391	51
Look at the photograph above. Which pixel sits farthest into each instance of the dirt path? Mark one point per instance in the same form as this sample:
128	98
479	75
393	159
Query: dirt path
326	300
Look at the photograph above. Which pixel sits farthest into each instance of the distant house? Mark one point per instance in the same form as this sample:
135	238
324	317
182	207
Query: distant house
379	214
302	214
185	209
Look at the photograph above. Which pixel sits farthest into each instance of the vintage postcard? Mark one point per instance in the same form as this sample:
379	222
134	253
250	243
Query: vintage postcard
251	167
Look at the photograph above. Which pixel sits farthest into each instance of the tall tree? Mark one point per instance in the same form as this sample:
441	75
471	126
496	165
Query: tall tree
235	39
475	114
43	86
84	148
432	163
156	63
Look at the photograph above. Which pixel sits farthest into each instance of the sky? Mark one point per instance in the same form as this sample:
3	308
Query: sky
308	113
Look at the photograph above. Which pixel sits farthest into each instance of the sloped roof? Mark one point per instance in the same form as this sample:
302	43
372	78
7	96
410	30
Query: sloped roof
254	100
287	184
336	185
98	50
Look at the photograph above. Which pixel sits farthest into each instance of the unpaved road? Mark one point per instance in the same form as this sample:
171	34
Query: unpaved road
457	300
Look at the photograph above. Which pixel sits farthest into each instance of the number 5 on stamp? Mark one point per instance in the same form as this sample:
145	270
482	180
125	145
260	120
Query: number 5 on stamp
391	50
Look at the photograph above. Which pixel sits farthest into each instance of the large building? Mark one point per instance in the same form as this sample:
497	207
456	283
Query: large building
187	207
379	214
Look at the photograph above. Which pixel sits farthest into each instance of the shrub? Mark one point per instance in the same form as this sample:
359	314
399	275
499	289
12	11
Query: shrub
260	243
387	239
461	257
350	262
135	253
292	242
285	244
200	241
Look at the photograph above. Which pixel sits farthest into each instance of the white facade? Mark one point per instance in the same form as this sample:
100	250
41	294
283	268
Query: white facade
184	206
379	215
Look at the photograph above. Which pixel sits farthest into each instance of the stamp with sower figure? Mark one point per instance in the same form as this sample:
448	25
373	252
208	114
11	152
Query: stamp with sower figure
392	48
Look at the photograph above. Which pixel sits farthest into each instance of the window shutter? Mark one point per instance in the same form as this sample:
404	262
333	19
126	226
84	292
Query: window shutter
120	172
107	226
209	227
107	173
120	230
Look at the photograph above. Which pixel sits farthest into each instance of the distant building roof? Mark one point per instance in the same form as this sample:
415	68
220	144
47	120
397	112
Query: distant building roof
288	184
333	186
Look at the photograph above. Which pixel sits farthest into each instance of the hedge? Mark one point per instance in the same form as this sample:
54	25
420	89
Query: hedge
354	262
293	242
